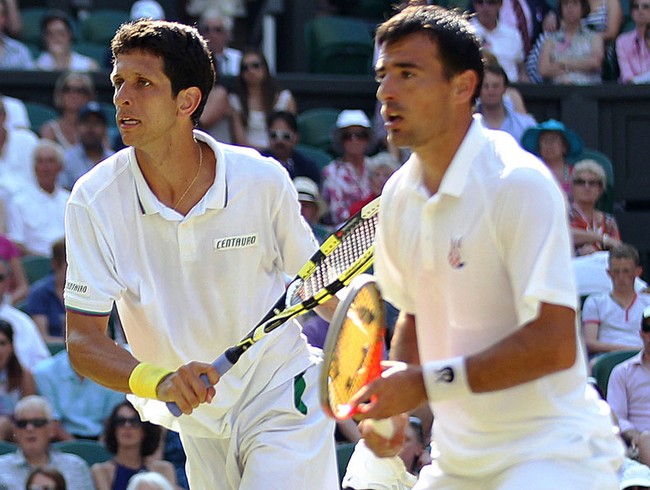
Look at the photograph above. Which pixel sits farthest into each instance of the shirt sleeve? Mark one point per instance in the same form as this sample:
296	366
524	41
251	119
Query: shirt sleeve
533	235
590	311
626	73
617	396
91	283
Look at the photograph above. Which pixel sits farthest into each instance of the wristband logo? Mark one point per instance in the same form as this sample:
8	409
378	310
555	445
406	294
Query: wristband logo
445	375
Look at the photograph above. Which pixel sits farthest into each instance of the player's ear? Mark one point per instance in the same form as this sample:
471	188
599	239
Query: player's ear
188	100
465	85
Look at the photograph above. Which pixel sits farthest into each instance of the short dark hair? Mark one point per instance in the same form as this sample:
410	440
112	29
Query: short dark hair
50	472
458	45
492	65
285	116
584	4
150	441
56	14
187	61
625	251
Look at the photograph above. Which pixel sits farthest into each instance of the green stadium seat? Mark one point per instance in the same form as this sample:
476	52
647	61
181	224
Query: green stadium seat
90	451
316	126
101	24
339	45
96	51
7	447
31	31
604	364
39	113
343	454
36	267
318	156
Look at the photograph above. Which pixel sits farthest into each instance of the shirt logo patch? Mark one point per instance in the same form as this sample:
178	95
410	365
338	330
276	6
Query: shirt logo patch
232	242
76	288
455	255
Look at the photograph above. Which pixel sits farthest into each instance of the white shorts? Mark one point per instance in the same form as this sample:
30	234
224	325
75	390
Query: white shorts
600	472
273	445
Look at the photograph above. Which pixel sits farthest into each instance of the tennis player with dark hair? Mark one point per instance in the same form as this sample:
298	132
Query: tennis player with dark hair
473	247
192	240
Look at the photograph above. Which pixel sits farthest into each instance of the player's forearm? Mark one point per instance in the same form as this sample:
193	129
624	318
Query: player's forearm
545	346
96	356
404	344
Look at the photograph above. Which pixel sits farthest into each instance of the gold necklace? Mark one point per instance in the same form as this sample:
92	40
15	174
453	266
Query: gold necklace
198	170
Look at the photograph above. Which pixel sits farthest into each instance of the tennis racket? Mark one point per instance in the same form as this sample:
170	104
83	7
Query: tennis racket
345	254
354	348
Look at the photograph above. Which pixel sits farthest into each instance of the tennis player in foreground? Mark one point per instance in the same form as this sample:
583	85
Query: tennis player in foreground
192	240
474	249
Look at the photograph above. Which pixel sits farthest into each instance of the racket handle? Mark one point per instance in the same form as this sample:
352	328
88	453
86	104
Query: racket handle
383	427
222	364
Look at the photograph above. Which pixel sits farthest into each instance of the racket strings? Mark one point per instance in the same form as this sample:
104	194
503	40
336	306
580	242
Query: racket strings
354	246
358	350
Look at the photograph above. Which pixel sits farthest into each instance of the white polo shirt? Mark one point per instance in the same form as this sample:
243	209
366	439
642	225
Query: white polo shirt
36	218
473	263
189	287
616	325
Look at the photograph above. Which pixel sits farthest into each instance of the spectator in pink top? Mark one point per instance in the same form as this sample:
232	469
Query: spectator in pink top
632	47
628	393
18	286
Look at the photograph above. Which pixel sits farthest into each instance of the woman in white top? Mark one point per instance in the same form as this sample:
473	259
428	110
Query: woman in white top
71	92
255	97
56	31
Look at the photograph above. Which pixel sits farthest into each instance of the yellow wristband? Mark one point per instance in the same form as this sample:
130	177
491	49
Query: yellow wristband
144	379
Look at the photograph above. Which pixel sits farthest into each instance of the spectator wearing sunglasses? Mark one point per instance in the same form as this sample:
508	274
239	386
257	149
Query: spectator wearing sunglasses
33	427
283	138
346	180
217	28
256	96
134	444
592	229
633	47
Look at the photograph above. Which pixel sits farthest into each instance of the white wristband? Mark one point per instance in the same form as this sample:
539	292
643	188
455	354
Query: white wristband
445	379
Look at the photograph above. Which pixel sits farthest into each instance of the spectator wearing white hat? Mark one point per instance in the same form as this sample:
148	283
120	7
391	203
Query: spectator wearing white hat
346	180
146	9
312	206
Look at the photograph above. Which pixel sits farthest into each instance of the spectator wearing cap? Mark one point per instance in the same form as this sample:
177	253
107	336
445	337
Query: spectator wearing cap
91	148
57	35
346	180
312	207
283	138
33	426
628	394
635	476
553	142
36	214
217	28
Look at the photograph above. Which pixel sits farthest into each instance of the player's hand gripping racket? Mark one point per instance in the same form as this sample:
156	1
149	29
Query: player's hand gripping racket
354	348
345	254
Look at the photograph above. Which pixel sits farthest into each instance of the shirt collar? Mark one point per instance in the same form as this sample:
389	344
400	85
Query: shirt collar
215	198
455	178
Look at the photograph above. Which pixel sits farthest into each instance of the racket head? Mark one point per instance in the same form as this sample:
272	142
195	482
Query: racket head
354	346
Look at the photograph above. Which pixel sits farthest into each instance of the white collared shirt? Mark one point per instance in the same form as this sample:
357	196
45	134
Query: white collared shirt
188	287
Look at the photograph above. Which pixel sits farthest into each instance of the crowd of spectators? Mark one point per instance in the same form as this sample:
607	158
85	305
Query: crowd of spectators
526	41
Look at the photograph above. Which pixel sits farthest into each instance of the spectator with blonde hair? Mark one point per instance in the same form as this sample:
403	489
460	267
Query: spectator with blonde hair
592	229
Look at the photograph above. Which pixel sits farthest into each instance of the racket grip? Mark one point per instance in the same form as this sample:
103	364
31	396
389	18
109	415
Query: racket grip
383	427
222	364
